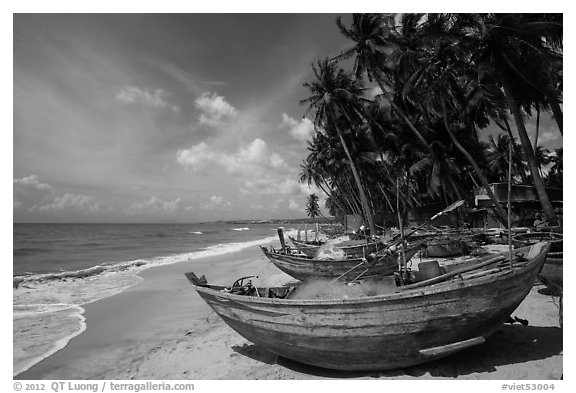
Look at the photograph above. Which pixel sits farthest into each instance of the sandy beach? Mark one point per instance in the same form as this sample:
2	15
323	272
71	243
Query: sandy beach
161	329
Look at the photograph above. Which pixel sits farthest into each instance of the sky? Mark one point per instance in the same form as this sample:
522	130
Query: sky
163	117
166	117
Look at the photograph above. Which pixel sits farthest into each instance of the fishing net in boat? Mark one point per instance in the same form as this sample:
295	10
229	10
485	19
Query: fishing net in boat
330	252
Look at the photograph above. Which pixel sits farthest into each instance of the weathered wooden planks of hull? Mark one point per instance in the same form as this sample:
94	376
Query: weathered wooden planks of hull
303	268
354	251
382	332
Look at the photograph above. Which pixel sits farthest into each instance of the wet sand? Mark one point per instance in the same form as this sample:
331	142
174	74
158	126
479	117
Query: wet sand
161	329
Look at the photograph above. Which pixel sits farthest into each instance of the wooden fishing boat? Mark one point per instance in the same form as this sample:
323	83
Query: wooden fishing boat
526	239
351	248
332	230
305	268
309	248
411	325
445	247
551	274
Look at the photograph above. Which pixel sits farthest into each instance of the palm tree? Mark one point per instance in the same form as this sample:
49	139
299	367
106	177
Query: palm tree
555	174
373	37
442	173
498	159
312	207
542	158
502	44
436	87
336	102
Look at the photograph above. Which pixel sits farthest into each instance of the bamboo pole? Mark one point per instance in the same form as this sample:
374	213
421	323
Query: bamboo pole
509	199
403	256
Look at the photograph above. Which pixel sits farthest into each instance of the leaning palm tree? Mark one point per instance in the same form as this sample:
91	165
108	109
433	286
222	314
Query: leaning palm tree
373	39
436	86
336	103
501	44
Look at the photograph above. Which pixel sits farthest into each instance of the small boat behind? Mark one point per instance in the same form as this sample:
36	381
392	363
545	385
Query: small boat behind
551	274
445	247
526	239
350	248
305	268
332	230
401	327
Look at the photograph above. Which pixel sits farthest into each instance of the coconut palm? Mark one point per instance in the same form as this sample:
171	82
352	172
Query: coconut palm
501	45
436	87
336	102
373	37
498	159
555	174
442	173
542	158
312	206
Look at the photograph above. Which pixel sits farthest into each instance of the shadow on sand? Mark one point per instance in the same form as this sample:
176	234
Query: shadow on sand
511	344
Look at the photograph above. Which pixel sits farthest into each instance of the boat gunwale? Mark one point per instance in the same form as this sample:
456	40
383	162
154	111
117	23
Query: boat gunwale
367	244
434	289
269	252
554	237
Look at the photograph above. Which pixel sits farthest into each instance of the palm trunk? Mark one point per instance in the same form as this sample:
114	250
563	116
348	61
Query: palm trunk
363	199
501	216
537	126
519	165
352	197
386	197
528	151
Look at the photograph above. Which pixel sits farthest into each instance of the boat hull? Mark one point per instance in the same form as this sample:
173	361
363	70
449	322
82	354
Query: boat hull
302	268
381	332
526	239
353	251
552	275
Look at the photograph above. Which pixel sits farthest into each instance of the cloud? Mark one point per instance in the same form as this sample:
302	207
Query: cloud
70	202
300	130
156	99
154	206
197	157
215	110
264	186
215	201
548	136
30	191
253	159
293	205
33	196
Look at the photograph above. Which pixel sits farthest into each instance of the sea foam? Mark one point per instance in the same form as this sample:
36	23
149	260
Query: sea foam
38	335
47	308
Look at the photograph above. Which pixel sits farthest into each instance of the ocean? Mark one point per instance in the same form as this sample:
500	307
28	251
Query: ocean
58	268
